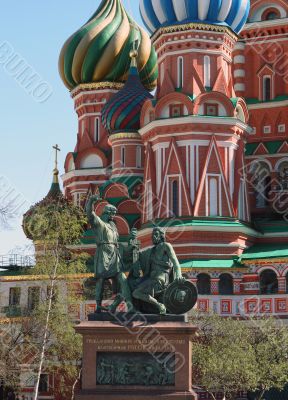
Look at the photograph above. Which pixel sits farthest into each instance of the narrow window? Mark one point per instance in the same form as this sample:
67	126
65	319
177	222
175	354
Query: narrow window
96	130
226	285
44	383
175	198
138	157
162	72
123	156
204	284
149	199
33	297
207	71
180	66
226	70
213	197
82	127
14	296
267	88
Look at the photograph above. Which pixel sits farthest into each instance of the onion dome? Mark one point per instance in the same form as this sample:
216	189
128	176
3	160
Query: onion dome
98	52
32	225
122	112
43	218
160	13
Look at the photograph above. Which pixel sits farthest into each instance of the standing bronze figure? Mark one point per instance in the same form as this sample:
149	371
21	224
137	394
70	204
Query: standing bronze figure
107	262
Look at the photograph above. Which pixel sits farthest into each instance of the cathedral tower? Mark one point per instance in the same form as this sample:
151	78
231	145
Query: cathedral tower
94	64
196	129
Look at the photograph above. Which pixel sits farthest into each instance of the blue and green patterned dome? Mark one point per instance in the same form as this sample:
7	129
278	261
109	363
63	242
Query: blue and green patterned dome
160	13
122	112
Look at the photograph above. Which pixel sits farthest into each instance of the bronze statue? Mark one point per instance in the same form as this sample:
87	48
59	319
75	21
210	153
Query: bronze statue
108	263
158	264
154	284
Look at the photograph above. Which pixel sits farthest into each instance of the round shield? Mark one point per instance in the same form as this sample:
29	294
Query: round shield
180	297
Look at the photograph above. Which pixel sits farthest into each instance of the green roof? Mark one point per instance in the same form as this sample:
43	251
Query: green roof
200	222
257	101
219	263
265	251
272	147
271	225
14	272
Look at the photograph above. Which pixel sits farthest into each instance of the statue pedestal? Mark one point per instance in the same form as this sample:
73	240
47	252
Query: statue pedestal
136	357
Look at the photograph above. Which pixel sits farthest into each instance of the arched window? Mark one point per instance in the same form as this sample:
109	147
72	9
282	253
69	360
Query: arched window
267	88
262	184
204	284
283	175
207	71
91	161
96	130
175	198
272	15
123	156
138	157
268	282
180	71
226	284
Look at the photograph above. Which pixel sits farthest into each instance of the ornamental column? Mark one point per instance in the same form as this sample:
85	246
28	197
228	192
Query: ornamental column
215	286
251	283
237	285
239	68
282	283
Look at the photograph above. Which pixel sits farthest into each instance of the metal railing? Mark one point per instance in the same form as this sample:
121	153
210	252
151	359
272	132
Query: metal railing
16	260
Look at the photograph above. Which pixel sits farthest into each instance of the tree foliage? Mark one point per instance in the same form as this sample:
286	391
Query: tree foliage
230	356
56	228
269	340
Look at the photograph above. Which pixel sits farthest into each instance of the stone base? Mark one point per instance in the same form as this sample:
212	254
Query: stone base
128	318
136	360
151	394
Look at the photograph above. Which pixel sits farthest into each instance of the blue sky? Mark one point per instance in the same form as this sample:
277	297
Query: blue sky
34	32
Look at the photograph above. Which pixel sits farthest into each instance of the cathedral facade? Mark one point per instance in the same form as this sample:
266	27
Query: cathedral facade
205	156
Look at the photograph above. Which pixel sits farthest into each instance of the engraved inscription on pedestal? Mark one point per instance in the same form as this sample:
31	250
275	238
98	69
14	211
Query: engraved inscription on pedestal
135	369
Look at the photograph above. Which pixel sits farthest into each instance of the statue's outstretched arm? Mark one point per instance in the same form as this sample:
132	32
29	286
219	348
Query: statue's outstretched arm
94	220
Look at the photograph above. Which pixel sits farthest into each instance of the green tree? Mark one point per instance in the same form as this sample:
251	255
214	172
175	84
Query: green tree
223	358
269	341
231	355
56	226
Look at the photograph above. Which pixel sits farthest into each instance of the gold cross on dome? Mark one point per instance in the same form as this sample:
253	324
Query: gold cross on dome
56	148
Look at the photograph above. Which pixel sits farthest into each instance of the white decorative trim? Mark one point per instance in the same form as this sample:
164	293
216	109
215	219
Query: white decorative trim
268	104
83	172
195	119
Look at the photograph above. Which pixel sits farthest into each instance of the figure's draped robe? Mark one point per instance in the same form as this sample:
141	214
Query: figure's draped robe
107	260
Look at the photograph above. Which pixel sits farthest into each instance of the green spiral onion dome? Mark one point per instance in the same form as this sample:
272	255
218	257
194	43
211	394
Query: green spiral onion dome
99	51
